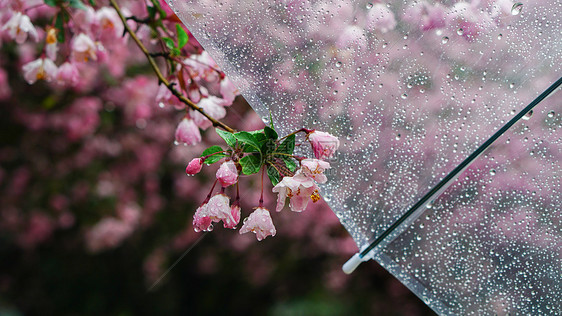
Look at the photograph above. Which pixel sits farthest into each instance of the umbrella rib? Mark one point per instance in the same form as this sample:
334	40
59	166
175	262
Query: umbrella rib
453	175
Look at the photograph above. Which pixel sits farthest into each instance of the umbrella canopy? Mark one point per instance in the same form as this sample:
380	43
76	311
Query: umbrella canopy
420	94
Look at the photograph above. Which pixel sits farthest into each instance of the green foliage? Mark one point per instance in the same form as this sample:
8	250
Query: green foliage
249	141
76	4
60	19
227	136
273	175
182	36
270	133
250	164
218	154
287	146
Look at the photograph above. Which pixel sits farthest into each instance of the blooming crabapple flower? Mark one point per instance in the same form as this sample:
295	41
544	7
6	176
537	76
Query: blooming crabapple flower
227	173
323	144
194	166
41	68
314	168
51	45
299	189
67	74
84	48
187	132
213	106
231	222
260	223
165	97
228	90
109	22
380	18
18	27
217	209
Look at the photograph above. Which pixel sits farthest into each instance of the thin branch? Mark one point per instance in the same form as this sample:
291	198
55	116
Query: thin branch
161	77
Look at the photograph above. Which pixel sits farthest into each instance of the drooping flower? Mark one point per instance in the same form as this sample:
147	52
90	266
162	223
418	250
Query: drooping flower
19	26
84	48
228	90
213	106
187	132
231	222
314	168
260	223
227	173
41	68
51	45
109	23
299	189
194	166
323	144
217	209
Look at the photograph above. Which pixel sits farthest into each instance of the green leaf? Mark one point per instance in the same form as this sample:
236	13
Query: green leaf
273	175
250	164
151	12
59	25
175	51
290	163
287	146
271	121
77	4
268	146
92	3
169	42
227	136
182	36
270	133
51	3
248	139
214	158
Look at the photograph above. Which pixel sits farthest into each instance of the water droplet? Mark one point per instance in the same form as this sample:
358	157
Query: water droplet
398	136
493	172
500	36
550	114
527	116
444	40
460	31
404	96
161	105
176	142
369	6
338	64
511	85
516	9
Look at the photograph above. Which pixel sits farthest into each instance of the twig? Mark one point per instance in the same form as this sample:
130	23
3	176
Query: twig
161	77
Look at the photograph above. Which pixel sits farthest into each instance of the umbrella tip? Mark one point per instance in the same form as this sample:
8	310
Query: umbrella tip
352	264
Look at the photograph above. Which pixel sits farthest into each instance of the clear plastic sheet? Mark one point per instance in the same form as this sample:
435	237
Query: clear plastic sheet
411	89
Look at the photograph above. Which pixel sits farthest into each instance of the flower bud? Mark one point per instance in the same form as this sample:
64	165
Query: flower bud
194	166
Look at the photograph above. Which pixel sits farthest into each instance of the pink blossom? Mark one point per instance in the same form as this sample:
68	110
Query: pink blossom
51	44
299	189
41	68
187	132
67	74
84	48
107	233
314	168
227	173
109	23
165	97
194	166
260	223
228	90
323	144
18	27
234	219
213	106
380	18
217	209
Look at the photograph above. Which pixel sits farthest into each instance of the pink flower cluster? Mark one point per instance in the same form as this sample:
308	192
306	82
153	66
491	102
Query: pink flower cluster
299	188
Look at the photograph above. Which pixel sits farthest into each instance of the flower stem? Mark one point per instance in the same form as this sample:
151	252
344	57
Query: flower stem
161	77
261	197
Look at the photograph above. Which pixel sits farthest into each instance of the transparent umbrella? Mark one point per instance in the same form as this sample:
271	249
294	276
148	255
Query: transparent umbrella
449	171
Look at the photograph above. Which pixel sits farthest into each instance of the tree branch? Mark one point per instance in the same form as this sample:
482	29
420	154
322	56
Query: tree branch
161	77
